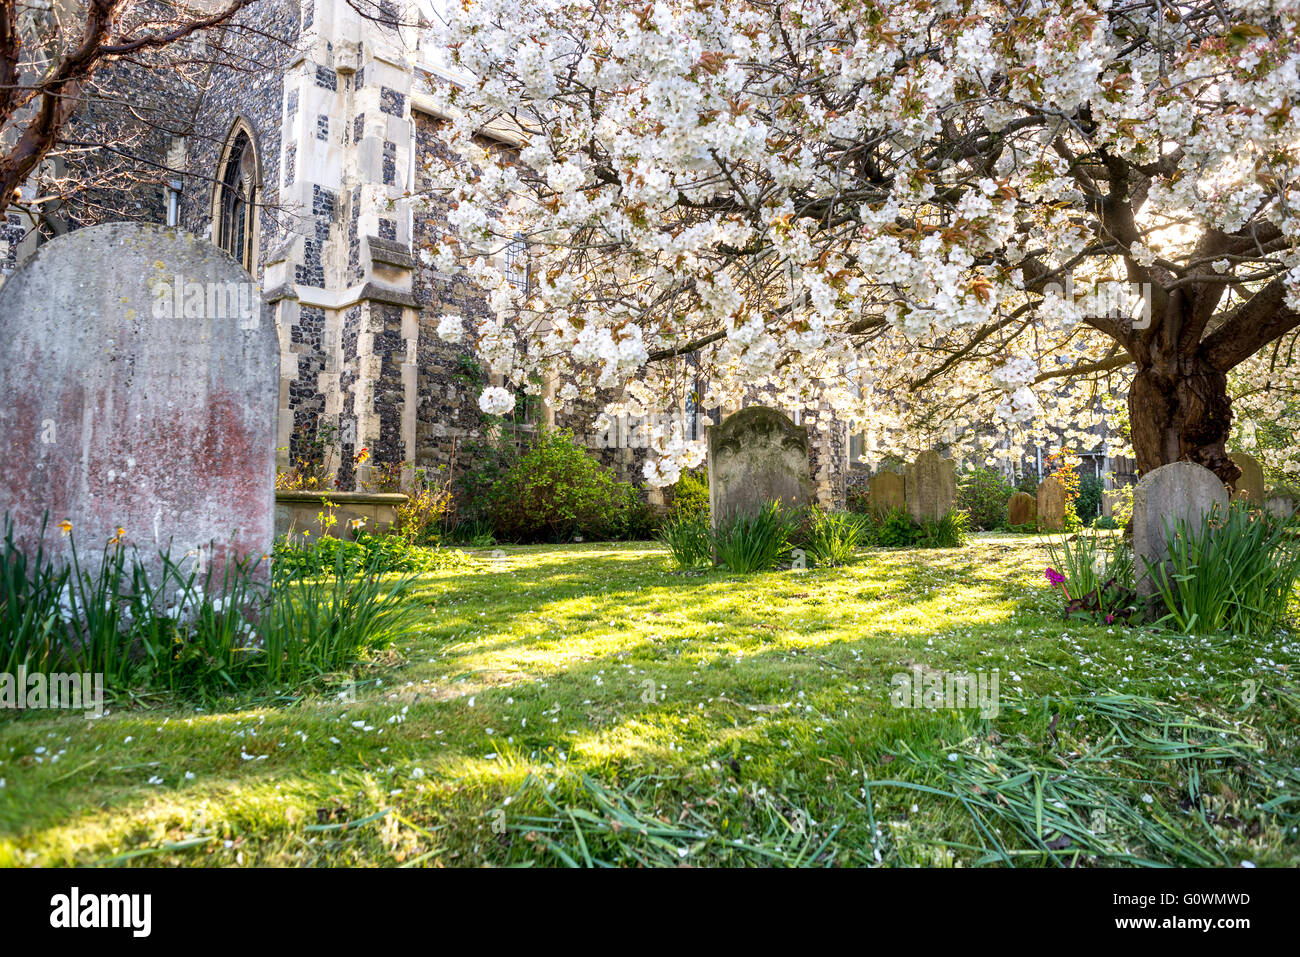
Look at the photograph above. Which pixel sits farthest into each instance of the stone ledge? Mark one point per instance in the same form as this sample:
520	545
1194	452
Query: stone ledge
281	292
342	498
390	253
377	293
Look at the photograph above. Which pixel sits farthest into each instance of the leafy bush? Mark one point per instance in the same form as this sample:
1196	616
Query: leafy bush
858	500
1088	505
691	493
1104	521
554	491
831	538
1095	576
688	539
983	495
897	529
386	553
420	518
1234	571
635	519
190	633
753	541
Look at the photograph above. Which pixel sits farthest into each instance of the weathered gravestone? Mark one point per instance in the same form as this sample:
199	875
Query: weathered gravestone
1279	506
1022	509
1250	484
930	486
1164	496
1051	504
886	491
757	456
139	391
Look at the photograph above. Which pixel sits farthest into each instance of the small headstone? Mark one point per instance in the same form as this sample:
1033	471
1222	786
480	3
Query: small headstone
1250	484
757	456
886	491
1051	504
1180	491
930	486
140	384
1022	509
1279	506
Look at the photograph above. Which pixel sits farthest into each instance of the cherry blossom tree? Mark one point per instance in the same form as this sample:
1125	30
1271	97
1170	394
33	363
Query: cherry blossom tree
924	216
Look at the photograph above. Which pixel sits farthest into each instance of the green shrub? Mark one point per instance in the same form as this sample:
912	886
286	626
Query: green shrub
754	541
387	553
691	493
688	539
983	495
635	520
831	538
858	500
896	529
1088	505
1234	571
1104	521
554	491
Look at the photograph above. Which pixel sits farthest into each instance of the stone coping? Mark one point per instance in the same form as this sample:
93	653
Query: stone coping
342	498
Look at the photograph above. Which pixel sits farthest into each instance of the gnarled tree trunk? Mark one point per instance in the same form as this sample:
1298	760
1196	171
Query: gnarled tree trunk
1179	409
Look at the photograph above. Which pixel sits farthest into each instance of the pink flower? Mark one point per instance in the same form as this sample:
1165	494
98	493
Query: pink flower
1054	577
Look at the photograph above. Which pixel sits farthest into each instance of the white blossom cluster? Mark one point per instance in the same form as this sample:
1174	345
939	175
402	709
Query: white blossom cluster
885	213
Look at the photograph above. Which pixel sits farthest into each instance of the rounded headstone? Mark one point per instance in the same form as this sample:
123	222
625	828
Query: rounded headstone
757	456
1022	509
140	386
1051	504
1181	491
1250	484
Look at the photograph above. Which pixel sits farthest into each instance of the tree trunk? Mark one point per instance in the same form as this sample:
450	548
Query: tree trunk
1179	410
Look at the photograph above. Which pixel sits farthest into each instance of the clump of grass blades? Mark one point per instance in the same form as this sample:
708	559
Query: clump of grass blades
753	541
1233	571
610	827
832	538
1036	808
325	624
190	633
1098	573
686	536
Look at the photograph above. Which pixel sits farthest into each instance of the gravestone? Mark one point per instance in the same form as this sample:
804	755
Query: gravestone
139	392
886	491
1250	484
1022	509
1279	506
1051	504
930	486
757	456
1180	491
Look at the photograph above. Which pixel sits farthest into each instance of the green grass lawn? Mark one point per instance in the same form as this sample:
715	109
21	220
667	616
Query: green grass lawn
587	704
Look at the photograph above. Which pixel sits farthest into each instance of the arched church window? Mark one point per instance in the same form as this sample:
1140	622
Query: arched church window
237	201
